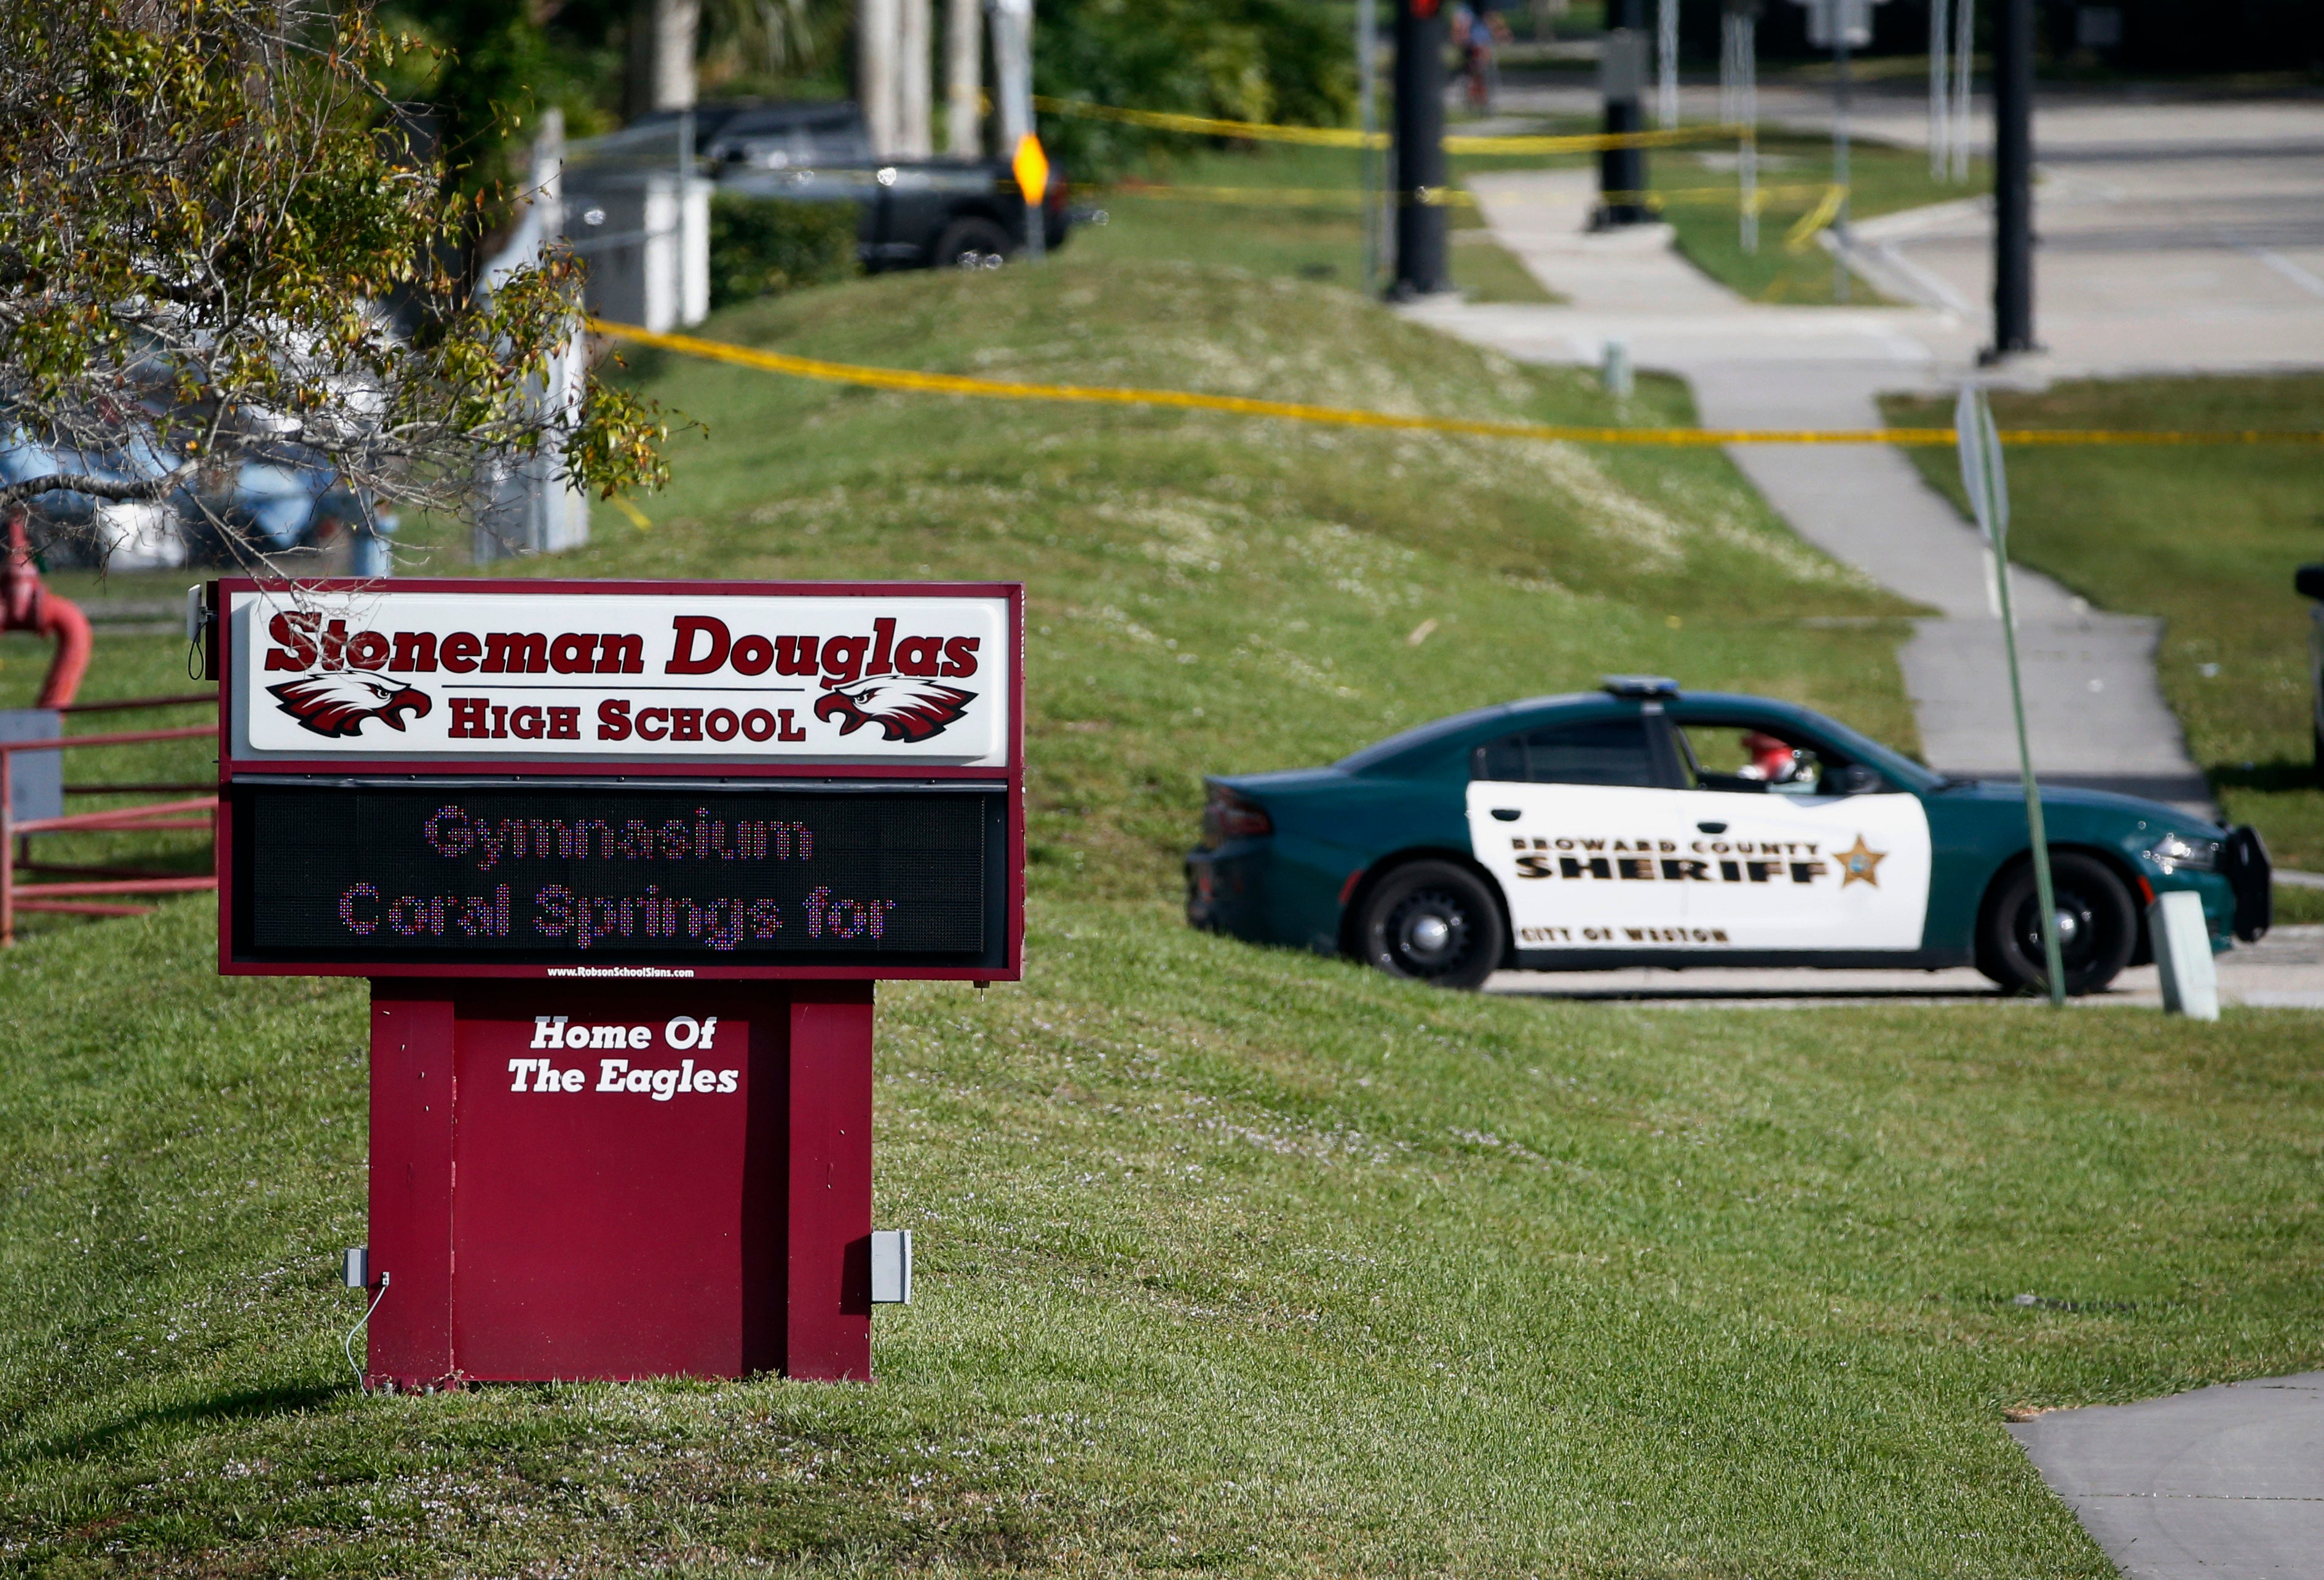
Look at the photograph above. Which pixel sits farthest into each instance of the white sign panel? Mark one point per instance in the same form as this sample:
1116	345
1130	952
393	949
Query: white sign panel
379	673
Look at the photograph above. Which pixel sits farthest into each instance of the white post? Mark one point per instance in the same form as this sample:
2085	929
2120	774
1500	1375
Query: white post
1666	50
1964	59
661	54
2182	949
877	23
534	508
694	247
1012	62
1939	89
1614	369
964	79
913	40
675	23
1726	67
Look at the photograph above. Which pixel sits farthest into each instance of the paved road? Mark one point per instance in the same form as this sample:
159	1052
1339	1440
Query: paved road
2285	970
2222	1483
2179	233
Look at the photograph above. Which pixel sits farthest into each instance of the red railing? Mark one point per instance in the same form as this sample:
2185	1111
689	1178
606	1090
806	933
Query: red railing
77	894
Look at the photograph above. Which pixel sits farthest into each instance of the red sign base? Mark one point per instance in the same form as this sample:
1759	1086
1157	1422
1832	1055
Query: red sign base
619	1179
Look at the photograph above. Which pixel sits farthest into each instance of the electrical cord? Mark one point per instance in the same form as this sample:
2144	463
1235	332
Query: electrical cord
350	1344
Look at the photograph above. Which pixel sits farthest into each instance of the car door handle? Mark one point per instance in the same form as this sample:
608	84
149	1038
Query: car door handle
1507	813
1713	827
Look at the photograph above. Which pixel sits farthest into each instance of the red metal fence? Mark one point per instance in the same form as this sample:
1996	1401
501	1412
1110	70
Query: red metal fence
80	889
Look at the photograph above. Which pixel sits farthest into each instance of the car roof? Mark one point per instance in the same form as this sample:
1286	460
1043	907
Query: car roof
1442	732
748	116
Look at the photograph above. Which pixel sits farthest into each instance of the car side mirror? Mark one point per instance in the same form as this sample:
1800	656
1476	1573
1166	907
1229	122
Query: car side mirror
1857	780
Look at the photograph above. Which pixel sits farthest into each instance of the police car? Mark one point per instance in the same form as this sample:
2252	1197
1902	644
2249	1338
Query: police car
1645	825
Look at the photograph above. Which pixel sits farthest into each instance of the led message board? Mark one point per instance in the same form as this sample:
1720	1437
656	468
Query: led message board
542	779
581	877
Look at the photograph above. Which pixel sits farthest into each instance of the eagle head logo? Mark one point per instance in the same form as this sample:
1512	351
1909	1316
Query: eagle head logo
905	708
338	703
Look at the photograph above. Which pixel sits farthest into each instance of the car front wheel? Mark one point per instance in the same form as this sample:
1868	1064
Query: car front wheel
2098	927
973	244
1435	923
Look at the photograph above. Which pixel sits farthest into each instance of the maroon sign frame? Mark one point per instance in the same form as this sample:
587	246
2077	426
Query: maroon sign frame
240	766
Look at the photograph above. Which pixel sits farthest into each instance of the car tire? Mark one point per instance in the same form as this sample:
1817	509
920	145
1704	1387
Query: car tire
973	244
1434	922
2101	927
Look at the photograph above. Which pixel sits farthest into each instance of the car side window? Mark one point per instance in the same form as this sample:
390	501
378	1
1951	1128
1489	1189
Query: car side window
1756	758
1612	752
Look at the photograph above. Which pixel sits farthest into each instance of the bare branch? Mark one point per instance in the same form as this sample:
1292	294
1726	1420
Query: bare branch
119	490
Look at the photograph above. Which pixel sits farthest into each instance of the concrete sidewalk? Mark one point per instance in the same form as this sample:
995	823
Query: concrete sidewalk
2095	711
2222	1483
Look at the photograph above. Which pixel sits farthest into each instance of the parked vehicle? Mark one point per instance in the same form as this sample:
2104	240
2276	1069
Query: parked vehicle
915	214
1641	826
273	509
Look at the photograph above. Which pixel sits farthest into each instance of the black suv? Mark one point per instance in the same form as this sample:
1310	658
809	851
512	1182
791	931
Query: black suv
916	213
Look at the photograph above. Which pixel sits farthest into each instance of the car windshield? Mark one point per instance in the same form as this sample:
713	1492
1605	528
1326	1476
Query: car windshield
766	143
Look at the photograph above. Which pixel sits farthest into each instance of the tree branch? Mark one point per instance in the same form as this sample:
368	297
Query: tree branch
119	491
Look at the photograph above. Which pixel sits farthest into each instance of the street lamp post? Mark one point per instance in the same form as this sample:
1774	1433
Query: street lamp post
2013	179
1621	79
1420	149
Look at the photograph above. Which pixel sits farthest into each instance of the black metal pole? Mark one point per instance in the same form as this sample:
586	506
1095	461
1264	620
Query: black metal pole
1843	104
1622	77
2013	179
1419	143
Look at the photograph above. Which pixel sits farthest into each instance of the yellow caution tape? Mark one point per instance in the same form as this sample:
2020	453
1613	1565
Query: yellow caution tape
1289	196
1440	197
1204	126
1815	219
1596	142
946	383
1344	137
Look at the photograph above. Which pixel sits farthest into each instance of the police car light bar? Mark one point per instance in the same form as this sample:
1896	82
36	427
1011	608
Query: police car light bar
1639	686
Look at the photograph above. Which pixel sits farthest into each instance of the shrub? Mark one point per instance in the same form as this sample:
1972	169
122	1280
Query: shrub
1238	59
764	246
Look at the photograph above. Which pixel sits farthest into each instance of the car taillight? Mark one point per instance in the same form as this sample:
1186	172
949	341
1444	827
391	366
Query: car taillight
1228	815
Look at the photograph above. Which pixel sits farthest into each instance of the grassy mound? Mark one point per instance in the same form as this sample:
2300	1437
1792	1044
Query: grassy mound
1233	1259
1212	593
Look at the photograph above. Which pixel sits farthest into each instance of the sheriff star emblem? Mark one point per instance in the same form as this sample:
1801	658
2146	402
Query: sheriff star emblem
1859	863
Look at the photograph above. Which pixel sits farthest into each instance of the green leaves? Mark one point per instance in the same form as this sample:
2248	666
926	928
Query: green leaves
221	238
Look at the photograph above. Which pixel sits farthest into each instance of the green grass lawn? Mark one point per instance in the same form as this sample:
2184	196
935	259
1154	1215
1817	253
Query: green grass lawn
1882	180
1316	231
2207	538
1233	1259
1313	230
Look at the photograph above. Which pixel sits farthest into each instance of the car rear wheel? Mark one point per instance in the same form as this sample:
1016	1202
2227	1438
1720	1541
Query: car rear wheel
1435	923
2098	927
971	244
